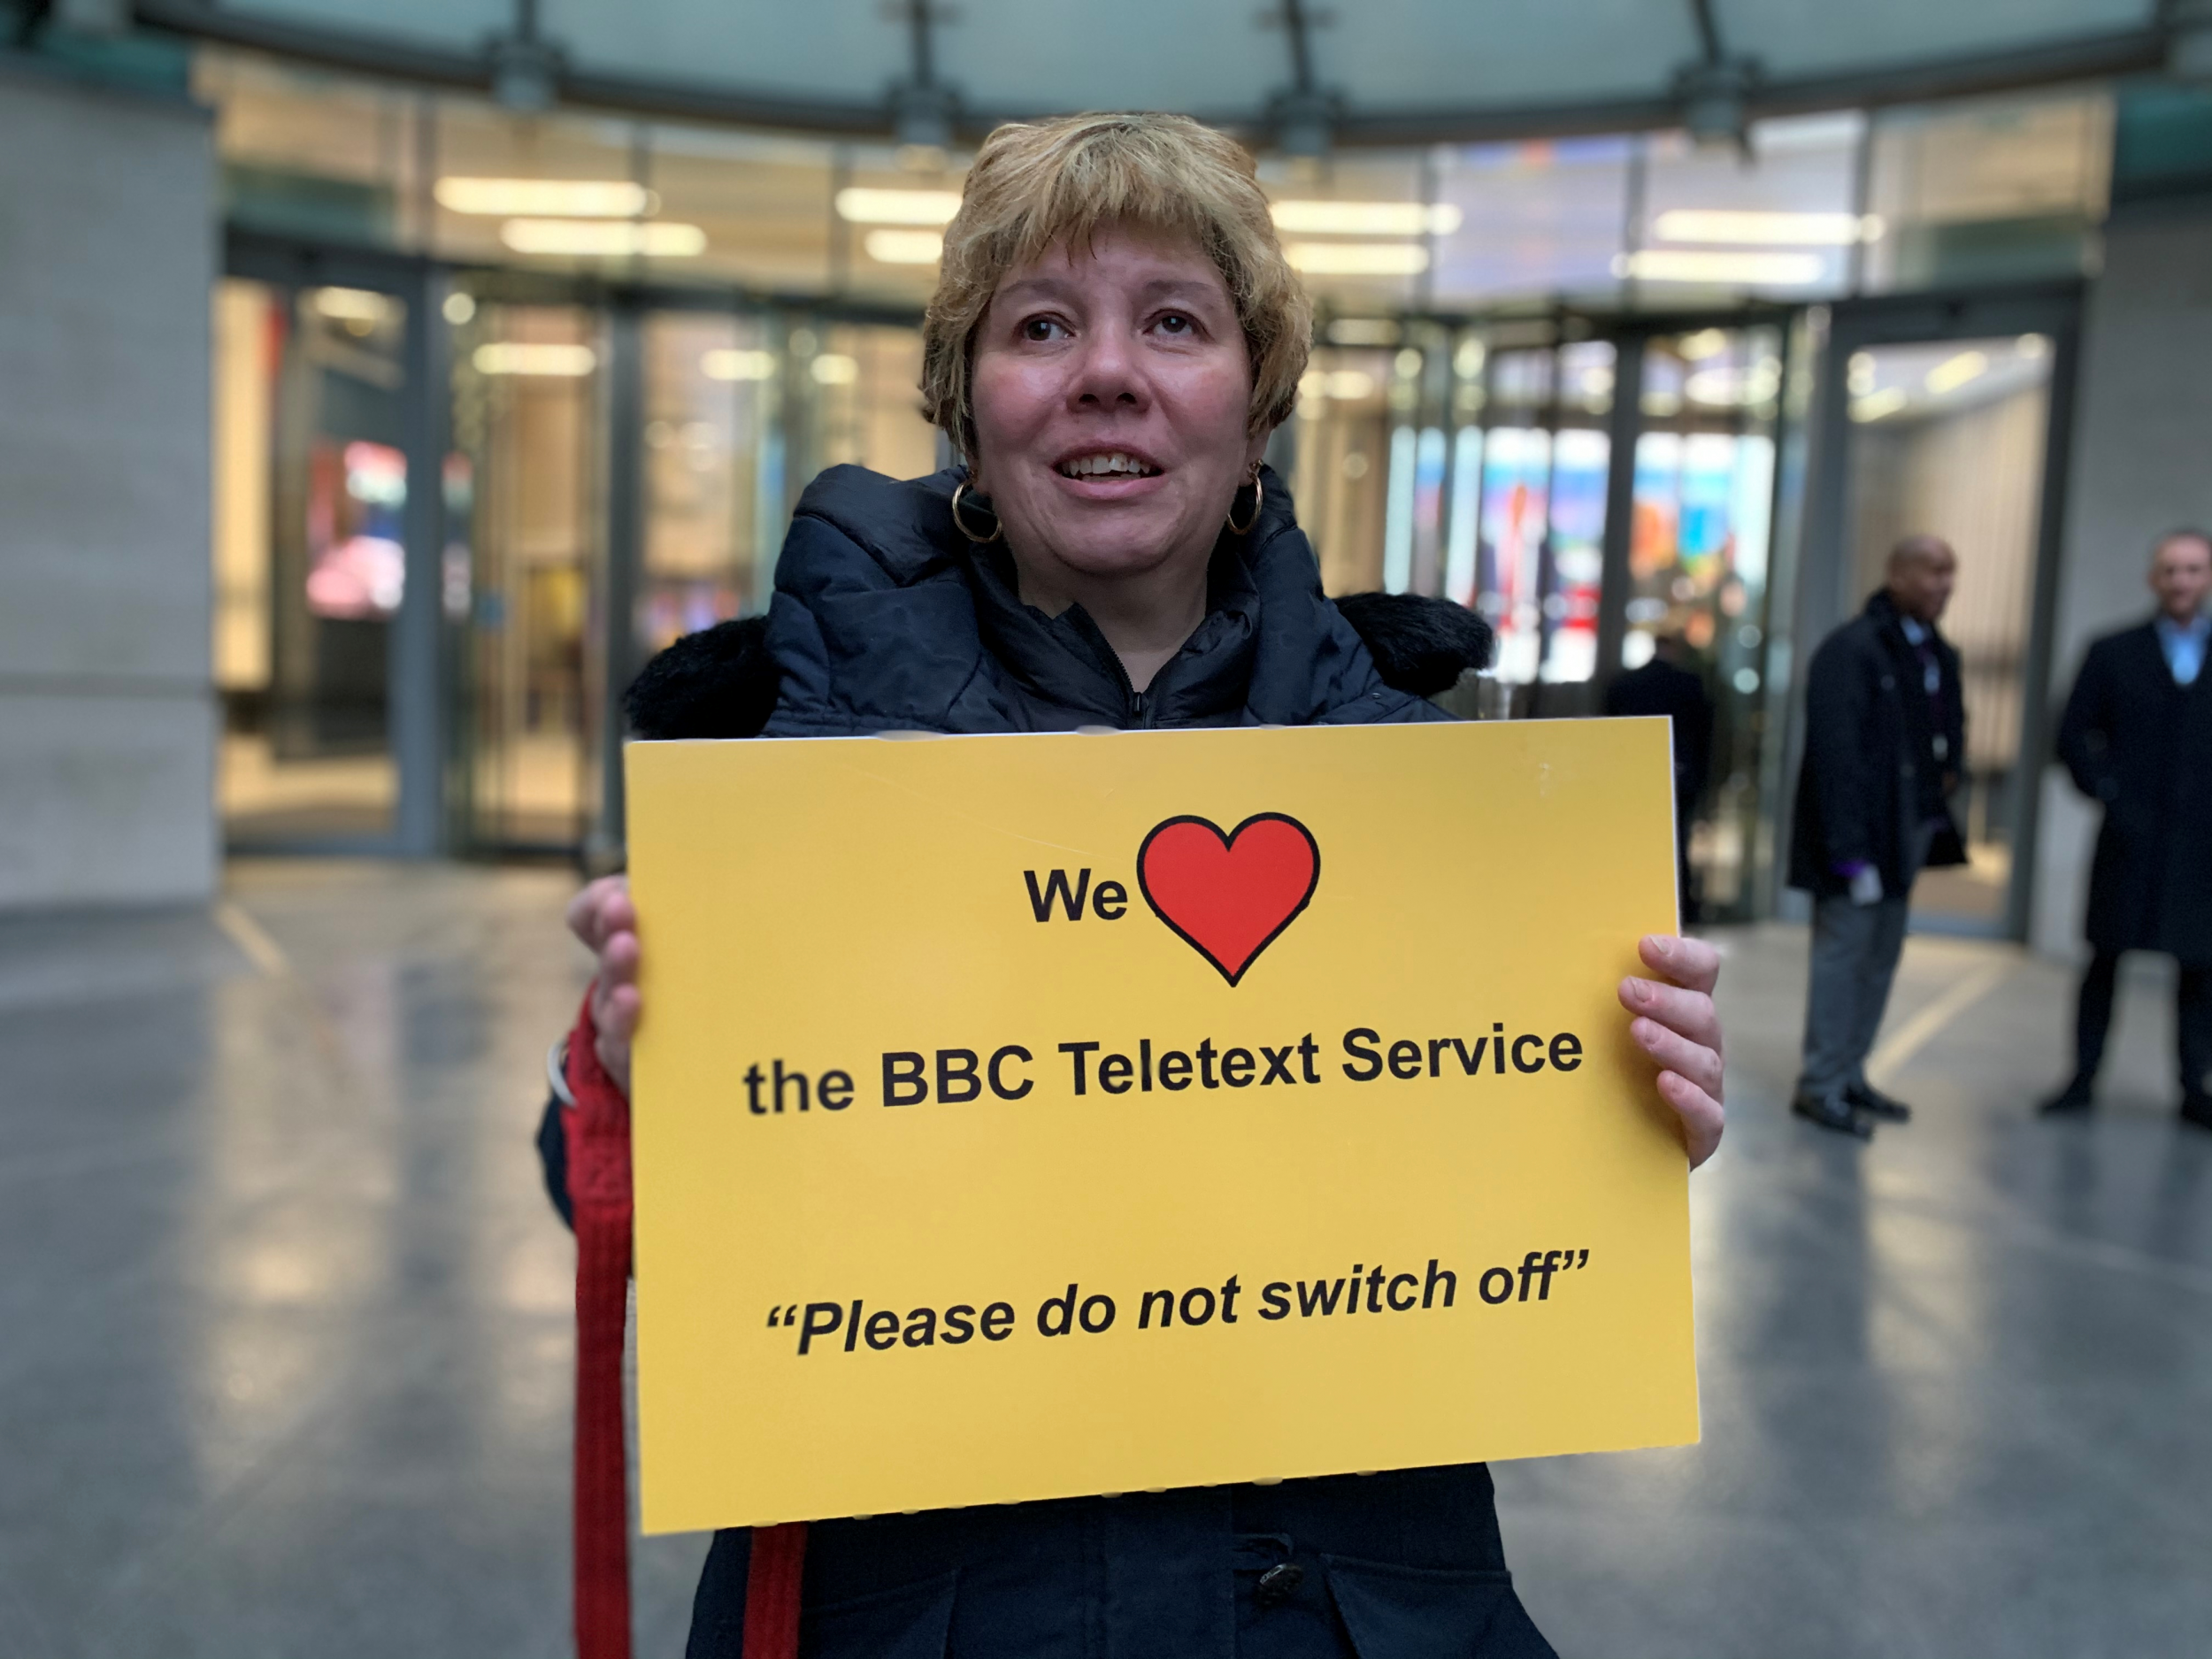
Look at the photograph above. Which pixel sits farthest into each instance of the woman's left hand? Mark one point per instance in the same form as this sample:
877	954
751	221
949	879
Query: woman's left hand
1677	1024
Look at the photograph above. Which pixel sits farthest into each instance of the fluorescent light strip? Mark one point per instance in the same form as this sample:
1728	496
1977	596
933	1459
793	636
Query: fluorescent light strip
1366	219
1763	269
1357	258
904	247
1953	373
659	238
351	306
549	198
517	356
737	363
864	206
1724	225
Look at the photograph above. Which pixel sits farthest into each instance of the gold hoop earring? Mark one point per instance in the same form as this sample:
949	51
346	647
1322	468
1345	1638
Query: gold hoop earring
959	524
1258	495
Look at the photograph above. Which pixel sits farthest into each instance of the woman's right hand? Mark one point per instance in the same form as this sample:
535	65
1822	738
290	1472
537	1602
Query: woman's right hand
603	918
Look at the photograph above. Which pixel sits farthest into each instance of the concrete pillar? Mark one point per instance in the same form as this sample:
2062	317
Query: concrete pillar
2139	466
108	248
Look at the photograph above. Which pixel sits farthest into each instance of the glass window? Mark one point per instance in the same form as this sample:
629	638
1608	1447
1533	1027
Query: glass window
1946	439
310	491
1538	219
1698	560
526	418
1715	225
1342	431
1988	190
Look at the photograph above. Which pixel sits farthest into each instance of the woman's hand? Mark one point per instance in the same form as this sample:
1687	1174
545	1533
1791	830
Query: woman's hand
1676	1025
603	918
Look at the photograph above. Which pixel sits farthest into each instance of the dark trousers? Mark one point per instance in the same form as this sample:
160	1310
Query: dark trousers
1855	948
2192	1020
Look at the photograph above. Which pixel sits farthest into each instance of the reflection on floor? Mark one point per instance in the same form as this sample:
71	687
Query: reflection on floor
265	799
287	1367
1971	894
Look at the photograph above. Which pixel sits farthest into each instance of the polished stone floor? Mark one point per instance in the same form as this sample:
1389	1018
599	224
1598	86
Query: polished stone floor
285	1362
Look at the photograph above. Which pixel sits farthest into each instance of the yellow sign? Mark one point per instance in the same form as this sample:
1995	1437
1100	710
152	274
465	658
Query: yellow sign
1027	1117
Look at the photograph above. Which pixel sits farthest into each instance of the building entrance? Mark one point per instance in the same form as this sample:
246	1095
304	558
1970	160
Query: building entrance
310	499
1942	422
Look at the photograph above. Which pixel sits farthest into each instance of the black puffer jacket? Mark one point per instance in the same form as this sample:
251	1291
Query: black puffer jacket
885	619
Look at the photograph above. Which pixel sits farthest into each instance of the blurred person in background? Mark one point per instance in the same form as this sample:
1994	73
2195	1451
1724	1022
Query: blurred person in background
1115	335
1670	684
2137	736
1884	745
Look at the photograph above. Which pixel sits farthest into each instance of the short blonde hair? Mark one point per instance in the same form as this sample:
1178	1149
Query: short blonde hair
1037	184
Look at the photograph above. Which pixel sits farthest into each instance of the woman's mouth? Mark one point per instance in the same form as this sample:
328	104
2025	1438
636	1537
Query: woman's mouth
1106	463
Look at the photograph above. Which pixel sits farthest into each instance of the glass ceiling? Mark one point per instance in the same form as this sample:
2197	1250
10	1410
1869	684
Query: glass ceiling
1807	207
1286	74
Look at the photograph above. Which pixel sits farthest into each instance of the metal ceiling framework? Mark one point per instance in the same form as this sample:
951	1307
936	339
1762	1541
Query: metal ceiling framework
1714	94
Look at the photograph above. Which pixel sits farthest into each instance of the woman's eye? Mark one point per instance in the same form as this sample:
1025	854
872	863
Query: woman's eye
1175	323
1041	328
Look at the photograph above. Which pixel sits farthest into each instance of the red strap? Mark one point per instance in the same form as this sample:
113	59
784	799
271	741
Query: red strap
598	1130
598	1134
771	1591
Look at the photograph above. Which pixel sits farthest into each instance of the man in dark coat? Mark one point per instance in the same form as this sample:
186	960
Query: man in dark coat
1884	745
1669	685
2138	737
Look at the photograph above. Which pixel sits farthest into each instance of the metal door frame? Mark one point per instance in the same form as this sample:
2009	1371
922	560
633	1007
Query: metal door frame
417	673
1826	585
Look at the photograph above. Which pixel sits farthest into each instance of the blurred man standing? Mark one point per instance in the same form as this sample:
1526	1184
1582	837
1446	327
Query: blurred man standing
1669	684
2138	737
1884	745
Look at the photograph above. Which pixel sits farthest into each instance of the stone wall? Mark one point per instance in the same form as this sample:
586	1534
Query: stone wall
108	251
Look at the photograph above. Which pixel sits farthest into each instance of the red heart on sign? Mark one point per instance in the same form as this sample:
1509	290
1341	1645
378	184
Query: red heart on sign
1229	896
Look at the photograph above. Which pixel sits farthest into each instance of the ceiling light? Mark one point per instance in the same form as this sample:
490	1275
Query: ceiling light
833	368
1704	343
1358	258
1718	224
548	198
864	207
1776	270
1953	373
350	305
517	356
2032	346
1349	386
1875	405
660	238
735	362
904	247
1363	331
1366	219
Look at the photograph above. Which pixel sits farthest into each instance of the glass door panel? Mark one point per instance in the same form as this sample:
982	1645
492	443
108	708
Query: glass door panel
711	439
1946	438
528	467
310	496
1343	466
1698	559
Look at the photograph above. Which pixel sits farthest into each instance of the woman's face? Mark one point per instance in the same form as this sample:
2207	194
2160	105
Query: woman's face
1112	387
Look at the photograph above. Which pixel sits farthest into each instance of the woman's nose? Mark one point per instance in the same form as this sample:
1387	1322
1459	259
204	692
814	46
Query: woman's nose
1108	373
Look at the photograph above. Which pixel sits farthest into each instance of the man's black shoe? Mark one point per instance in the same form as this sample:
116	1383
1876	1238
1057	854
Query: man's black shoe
1874	1103
1831	1111
2075	1099
2197	1109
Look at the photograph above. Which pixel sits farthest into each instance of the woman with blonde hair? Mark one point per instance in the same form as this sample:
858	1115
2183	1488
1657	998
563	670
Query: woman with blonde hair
1114	337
